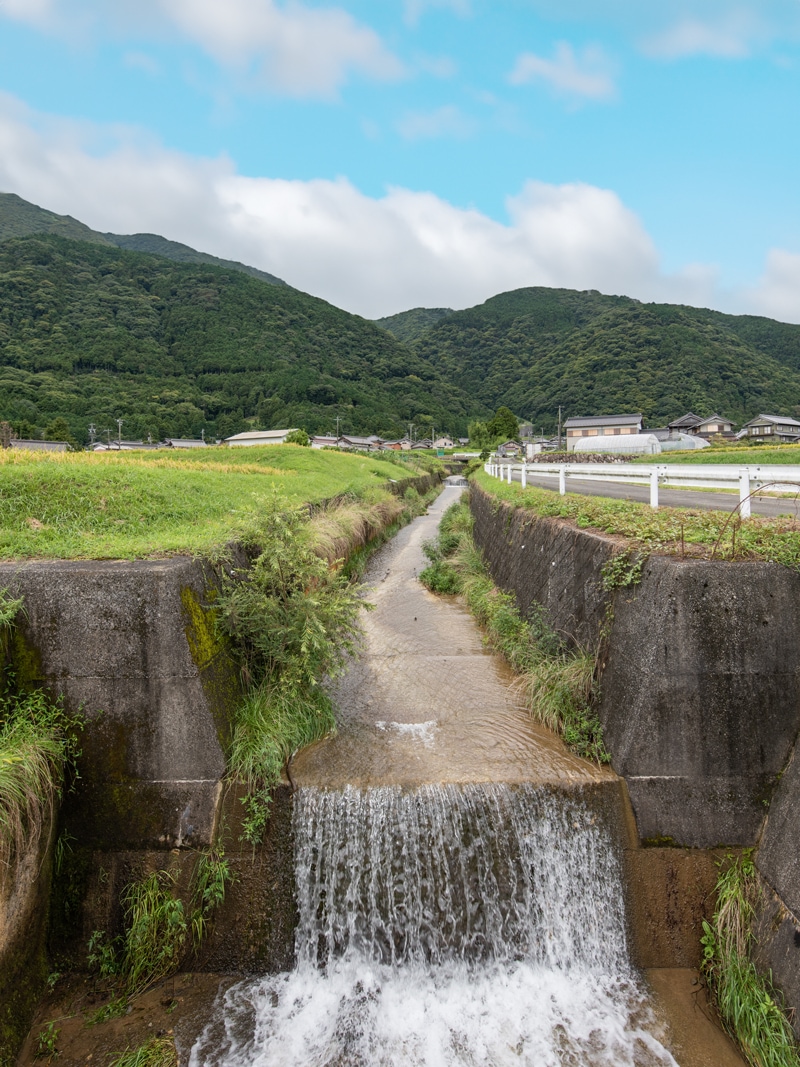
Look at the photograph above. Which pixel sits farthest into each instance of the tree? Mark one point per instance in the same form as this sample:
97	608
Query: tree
479	436
504	425
298	437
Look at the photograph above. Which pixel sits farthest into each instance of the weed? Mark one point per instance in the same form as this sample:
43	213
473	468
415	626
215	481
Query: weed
47	1042
211	877
748	1004
294	621
157	1052
156	931
622	571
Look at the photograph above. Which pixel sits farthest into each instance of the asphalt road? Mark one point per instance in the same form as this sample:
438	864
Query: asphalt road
673	498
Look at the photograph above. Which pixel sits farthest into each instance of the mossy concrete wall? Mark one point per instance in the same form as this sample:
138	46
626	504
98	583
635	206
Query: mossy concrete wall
699	697
132	645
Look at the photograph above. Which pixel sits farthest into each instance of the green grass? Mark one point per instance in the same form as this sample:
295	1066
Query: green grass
749	1006
37	741
557	681
145	504
744	455
692	532
157	1052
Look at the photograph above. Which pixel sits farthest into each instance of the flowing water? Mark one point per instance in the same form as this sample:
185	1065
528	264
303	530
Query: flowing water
446	925
458	885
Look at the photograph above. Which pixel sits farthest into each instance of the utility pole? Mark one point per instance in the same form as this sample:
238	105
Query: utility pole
559	427
119	432
338	420
92	434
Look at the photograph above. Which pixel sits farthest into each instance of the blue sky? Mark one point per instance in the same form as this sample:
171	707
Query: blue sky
425	152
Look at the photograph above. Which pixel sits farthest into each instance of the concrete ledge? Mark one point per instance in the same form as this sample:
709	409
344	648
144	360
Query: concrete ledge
701	812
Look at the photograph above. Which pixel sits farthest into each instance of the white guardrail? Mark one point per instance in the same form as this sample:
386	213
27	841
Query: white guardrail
751	479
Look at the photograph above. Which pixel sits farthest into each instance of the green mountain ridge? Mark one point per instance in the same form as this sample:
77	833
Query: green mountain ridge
91	332
98	326
535	349
20	218
410	325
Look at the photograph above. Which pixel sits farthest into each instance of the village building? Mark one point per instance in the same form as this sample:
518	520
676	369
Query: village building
259	437
779	429
601	426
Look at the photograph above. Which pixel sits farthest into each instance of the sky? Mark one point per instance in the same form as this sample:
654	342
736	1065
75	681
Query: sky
408	153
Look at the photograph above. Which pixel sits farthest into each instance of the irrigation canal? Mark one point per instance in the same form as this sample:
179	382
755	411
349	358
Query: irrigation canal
458	873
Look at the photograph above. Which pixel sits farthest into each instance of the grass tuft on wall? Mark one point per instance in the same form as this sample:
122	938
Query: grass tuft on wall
749	1006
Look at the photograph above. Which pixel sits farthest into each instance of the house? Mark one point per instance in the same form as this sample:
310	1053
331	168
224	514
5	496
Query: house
779	429
259	437
186	442
38	446
509	448
443	442
392	446
708	427
600	426
325	441
124	446
361	444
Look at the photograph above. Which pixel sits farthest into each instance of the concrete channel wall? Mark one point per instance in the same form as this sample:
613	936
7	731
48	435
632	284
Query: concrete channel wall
699	694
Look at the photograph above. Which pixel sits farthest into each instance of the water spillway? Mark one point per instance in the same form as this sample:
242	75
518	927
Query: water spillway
457	871
446	925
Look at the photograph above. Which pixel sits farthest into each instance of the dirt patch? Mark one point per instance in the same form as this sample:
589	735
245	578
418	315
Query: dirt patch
179	1007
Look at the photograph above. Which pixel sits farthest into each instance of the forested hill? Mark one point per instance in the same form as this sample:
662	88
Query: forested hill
411	325
20	218
91	333
535	349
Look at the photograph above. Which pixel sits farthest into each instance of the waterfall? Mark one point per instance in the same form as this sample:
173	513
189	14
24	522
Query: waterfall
448	925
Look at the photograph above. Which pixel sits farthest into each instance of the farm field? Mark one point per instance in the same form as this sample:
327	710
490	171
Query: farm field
132	505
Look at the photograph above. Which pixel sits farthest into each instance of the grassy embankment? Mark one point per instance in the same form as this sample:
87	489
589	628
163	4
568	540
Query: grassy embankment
672	531
132	505
743	455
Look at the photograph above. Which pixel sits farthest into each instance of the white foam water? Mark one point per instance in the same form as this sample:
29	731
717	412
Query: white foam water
443	927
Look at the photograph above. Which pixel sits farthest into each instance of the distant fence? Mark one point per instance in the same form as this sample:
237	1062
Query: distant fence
772	479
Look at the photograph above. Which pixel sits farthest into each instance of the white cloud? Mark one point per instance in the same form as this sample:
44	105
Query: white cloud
35	12
729	36
777	293
287	47
588	75
446	121
370	255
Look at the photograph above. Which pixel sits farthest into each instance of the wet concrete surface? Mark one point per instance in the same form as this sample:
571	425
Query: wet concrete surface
425	702
694	1036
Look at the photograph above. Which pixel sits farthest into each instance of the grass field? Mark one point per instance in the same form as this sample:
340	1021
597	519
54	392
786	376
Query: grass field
675	531
743	455
130	505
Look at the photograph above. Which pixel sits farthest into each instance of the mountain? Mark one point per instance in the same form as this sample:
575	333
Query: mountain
409	326
160	246
92	332
535	349
19	218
